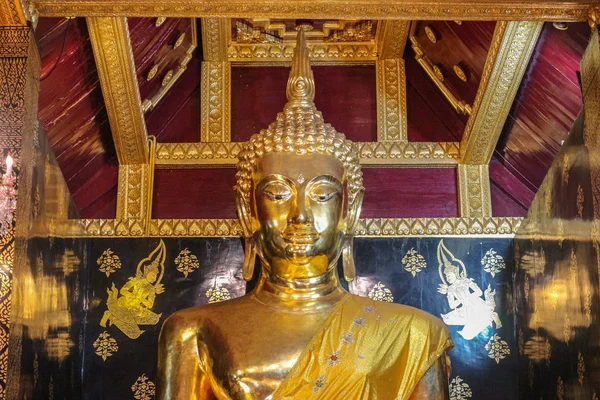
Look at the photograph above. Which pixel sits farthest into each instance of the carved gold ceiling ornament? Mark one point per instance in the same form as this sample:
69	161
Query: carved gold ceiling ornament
429	32
167	78
179	40
159	21
439	74
152	72
460	73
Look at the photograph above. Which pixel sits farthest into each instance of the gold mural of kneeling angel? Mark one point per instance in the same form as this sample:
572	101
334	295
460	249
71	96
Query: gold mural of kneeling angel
131	306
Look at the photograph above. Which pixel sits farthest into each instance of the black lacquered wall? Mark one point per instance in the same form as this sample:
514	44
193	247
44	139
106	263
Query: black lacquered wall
121	337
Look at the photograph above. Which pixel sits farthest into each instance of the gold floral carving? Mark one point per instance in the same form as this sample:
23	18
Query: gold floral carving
492	262
474	191
487	10
152	72
320	53
580	368
380	292
393	40
413	262
508	58
460	73
217	293
430	34
105	345
12	13
224	154
214	39
108	262
116	70
143	388
132	195
172	77
215	111
497	348
459	389
159	21
186	262
391	100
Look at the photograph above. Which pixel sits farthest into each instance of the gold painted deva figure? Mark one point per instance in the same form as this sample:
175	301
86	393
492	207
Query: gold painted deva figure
134	305
299	334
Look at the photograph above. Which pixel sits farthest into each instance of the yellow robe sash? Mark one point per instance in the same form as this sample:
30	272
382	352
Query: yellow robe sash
367	350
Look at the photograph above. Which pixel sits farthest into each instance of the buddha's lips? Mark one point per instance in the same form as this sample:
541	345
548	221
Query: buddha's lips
294	236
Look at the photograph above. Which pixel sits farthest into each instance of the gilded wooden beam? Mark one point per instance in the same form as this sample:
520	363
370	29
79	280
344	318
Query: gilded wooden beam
390	154
12	13
116	70
393	39
391	100
367	227
215	115
512	46
474	191
214	38
480	10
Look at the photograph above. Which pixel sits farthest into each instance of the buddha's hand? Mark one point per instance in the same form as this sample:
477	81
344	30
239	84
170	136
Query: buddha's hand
443	289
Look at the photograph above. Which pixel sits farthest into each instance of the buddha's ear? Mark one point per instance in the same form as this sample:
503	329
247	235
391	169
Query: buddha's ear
243	210
354	212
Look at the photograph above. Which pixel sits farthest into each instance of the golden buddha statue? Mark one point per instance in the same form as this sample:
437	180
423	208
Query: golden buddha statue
299	334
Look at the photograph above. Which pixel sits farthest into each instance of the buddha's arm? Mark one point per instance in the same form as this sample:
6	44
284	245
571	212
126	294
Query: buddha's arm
180	376
434	384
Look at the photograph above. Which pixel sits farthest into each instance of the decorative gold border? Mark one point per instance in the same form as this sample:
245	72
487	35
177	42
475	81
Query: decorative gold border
12	13
391	100
393	39
132	192
149	104
512	47
215	114
214	39
116	70
224	154
480	10
368	227
474	191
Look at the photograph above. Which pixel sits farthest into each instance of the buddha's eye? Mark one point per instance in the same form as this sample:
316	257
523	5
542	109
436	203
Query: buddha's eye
277	191
322	193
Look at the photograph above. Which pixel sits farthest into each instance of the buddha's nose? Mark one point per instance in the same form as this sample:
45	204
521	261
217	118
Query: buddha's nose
300	214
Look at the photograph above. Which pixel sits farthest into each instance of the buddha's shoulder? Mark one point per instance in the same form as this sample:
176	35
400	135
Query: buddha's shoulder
207	314
403	314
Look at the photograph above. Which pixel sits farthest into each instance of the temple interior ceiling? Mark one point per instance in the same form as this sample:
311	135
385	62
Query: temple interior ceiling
410	93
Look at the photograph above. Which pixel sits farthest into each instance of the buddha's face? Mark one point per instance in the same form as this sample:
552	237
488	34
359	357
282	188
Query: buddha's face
298	213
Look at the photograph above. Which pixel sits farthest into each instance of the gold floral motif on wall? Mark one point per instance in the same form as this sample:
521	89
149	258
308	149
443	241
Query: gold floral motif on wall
413	262
459	389
566	167
567	329
105	345
580	201
580	368
497	348
380	292
492	262
108	262
186	262
560	389
132	304
143	388
217	293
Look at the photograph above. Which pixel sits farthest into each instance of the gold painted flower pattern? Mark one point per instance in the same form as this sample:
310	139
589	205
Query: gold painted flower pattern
108	262
217	293
143	388
186	262
459	389
497	348
413	262
492	262
105	345
381	293
580	368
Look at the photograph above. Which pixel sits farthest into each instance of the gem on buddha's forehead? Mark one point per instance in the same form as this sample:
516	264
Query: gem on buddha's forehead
300	179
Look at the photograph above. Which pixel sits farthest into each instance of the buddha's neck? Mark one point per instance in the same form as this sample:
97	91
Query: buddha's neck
299	295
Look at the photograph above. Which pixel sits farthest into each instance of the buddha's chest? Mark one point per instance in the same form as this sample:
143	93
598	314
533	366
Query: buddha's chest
253	359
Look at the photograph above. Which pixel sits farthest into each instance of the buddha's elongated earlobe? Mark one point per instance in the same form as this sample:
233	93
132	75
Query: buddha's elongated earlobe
249	259
348	259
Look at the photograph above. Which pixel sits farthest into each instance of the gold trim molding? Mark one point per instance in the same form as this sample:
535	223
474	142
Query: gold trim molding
480	10
474	191
512	46
368	227
12	13
132	192
116	70
224	154
391	101
393	39
215	112
214	39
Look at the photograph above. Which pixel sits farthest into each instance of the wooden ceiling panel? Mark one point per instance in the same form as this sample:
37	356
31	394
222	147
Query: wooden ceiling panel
71	108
